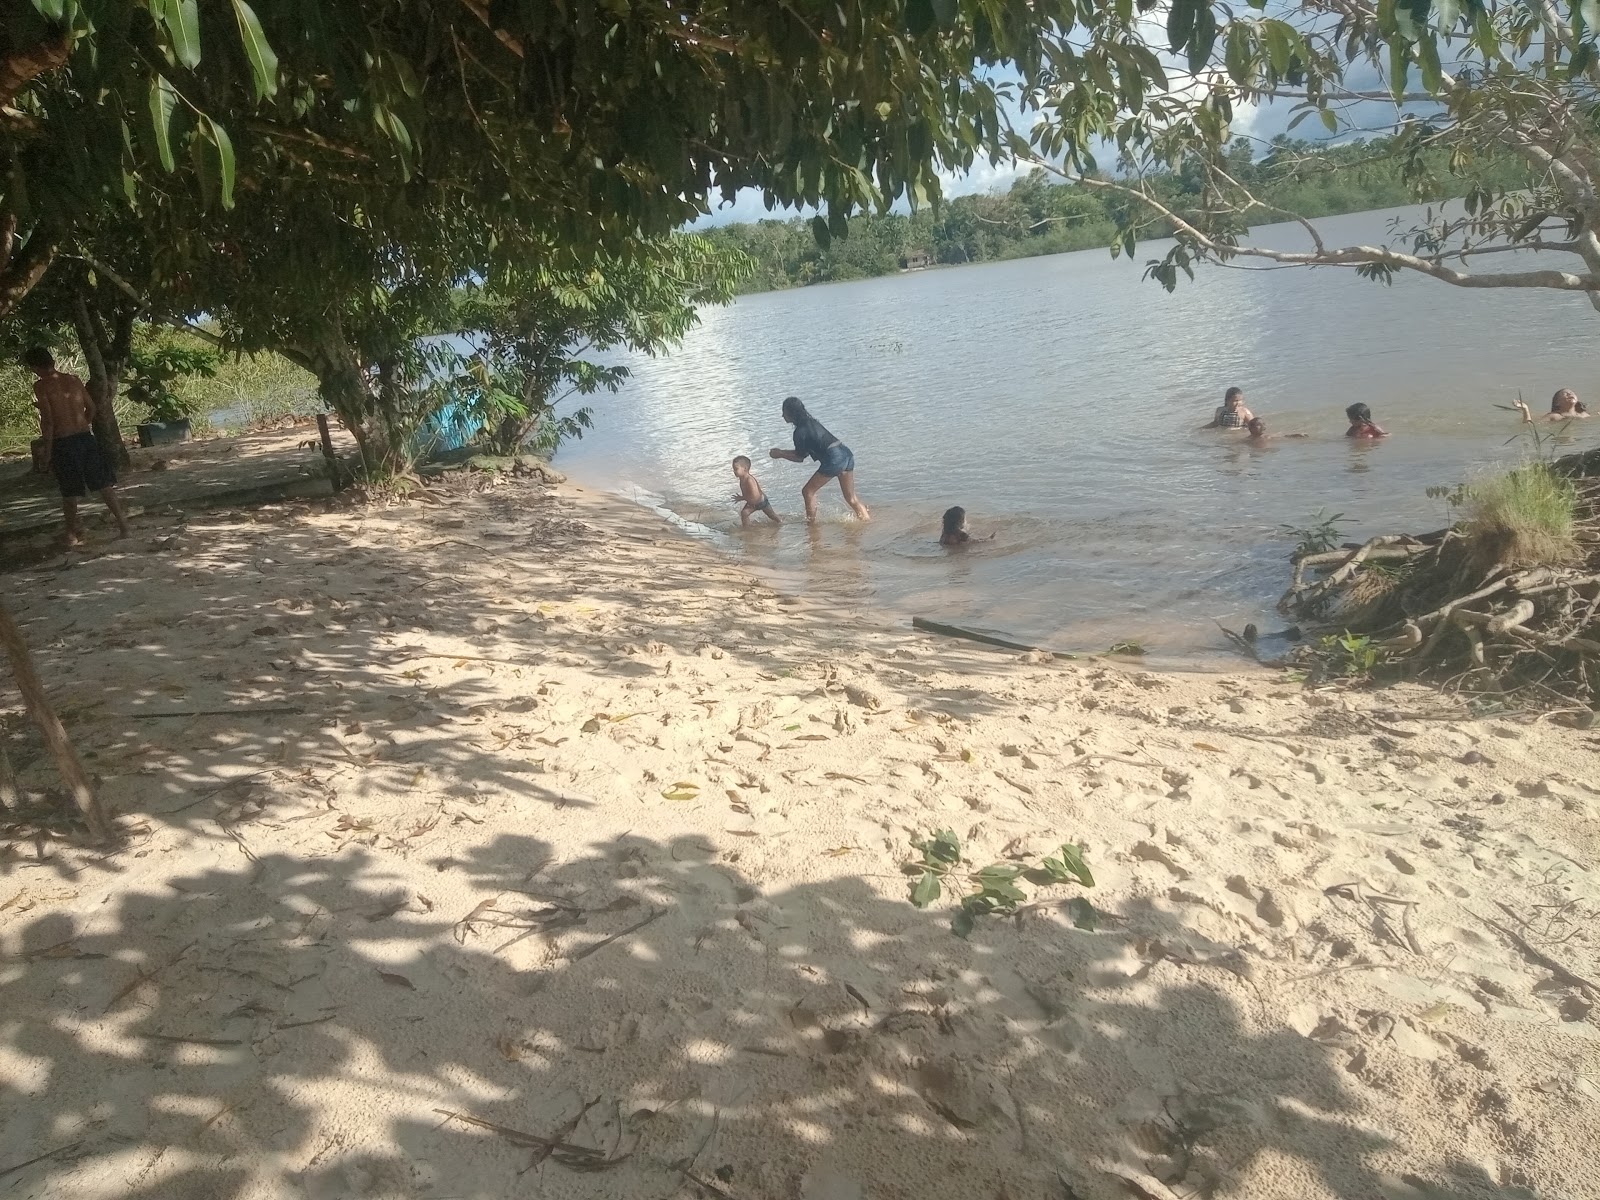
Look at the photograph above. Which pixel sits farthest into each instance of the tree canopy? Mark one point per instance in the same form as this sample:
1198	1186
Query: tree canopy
312	177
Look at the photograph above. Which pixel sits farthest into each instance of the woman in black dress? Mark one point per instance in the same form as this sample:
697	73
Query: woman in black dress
834	460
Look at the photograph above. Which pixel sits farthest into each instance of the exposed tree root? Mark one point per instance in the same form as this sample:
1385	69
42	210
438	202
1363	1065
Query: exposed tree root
1419	603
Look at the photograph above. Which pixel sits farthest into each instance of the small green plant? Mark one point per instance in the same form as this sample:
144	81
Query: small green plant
1352	655
1320	536
993	889
154	373
1129	647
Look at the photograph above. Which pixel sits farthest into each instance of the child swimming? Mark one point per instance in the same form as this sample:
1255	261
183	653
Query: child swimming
1564	406
1361	423
1256	428
1233	414
955	528
754	500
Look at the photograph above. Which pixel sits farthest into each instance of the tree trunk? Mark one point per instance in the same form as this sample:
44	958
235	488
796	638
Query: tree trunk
105	355
22	267
55	734
345	388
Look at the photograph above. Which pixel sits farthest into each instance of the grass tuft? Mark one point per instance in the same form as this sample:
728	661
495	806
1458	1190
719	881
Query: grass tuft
1524	518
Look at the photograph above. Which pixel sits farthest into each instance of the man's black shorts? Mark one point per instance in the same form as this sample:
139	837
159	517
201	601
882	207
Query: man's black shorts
79	466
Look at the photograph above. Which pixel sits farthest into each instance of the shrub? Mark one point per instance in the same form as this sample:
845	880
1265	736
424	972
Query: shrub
1523	518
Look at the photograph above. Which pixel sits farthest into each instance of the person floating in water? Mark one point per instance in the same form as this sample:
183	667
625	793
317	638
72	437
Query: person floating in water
1361	423
1257	431
1233	414
955	528
66	423
834	460
1564	406
750	494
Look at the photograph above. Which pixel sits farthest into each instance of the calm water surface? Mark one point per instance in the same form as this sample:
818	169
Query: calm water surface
1058	400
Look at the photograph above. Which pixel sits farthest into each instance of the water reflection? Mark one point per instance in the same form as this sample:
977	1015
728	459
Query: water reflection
1057	400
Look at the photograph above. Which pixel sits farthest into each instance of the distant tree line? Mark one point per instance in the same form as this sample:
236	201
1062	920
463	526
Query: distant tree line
1041	216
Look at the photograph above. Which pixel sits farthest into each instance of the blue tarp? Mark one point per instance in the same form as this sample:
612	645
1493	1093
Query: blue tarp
451	428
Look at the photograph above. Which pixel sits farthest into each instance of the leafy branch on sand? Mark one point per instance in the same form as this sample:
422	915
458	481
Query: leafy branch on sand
993	889
1504	602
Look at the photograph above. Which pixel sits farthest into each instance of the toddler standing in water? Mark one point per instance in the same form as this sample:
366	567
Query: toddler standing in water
1361	423
755	500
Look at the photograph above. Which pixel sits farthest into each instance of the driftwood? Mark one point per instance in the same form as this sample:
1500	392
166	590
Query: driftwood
987	639
44	716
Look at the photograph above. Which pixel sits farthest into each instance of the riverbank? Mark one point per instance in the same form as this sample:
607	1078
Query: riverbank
518	833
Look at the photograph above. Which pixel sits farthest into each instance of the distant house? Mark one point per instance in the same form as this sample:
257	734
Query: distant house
918	260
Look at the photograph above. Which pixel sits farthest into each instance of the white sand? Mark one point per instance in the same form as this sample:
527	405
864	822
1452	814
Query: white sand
399	904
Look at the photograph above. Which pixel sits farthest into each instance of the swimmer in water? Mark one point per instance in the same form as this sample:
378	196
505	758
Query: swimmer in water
1233	414
1361	423
1256	428
1564	406
750	495
955	528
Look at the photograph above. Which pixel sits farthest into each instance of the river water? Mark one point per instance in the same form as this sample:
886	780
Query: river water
1057	399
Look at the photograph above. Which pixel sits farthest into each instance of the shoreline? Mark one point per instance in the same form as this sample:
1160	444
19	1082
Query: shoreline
576	811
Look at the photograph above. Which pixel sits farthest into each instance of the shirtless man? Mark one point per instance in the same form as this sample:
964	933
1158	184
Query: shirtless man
66	419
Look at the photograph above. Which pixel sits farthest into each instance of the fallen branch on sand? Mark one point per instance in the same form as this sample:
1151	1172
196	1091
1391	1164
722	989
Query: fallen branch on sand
986	639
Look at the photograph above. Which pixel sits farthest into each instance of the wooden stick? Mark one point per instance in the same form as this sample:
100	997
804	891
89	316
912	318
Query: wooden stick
1560	971
972	635
55	734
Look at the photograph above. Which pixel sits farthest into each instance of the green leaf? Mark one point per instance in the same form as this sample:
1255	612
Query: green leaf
1447	13
1330	120
1180	24
1072	859
944	12
1002	894
1428	61
1000	871
263	61
1398	67
961	922
1083	914
182	19
163	99
225	164
1202	38
926	890
820	231
943	848
51	10
1589	10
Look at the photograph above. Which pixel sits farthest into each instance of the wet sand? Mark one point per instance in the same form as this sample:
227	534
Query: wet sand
561	858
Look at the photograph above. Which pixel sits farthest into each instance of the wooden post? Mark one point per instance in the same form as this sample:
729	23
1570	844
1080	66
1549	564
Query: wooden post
55	734
327	451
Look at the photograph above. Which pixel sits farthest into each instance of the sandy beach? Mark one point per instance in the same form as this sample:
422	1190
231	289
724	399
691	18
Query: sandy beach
513	845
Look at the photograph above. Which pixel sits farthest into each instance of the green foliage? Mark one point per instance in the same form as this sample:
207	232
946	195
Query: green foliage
993	889
1525	517
1036	217
1320	536
1349	655
536	329
157	368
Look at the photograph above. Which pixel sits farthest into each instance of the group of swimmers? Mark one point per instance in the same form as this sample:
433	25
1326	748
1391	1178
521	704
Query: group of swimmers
1235	415
835	461
1564	406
